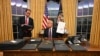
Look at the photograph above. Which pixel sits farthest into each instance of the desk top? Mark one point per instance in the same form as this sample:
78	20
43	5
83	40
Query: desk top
55	46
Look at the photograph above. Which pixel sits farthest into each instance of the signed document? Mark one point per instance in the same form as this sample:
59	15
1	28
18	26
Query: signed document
61	27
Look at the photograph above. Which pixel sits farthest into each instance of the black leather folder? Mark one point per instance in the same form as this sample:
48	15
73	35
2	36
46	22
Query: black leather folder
35	41
59	42
77	48
12	45
46	46
29	47
61	47
26	27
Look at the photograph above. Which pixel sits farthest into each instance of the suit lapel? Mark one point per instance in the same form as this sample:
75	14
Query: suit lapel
29	21
24	19
52	32
47	32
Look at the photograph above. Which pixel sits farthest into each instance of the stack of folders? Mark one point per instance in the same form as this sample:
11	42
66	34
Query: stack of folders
29	47
60	45
77	48
46	45
12	45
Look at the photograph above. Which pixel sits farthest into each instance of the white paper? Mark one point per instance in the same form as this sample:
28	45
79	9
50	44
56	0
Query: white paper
69	42
77	44
13	41
61	27
66	32
32	39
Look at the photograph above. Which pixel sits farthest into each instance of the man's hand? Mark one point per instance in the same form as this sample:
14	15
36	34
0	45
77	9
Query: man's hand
22	25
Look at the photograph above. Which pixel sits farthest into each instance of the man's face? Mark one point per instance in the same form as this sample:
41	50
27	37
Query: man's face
27	13
50	24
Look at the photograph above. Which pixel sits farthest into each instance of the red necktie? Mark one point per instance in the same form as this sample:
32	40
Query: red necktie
26	21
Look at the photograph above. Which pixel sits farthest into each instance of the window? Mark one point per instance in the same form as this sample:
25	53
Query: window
84	17
18	8
54	7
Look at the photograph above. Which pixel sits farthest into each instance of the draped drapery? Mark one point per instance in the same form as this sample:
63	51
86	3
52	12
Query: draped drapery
95	28
69	12
6	30
37	10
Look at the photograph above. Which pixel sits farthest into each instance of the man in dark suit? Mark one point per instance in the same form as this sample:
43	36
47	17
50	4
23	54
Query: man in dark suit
25	25
50	32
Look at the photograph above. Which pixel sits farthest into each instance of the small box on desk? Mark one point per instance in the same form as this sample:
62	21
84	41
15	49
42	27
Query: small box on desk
12	45
35	41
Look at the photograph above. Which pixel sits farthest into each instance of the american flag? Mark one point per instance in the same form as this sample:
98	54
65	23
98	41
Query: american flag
45	18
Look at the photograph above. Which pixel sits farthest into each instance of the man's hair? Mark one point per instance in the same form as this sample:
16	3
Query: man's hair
60	13
50	21
27	10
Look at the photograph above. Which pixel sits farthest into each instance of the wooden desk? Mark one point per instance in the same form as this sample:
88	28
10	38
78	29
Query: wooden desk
1	53
89	52
49	53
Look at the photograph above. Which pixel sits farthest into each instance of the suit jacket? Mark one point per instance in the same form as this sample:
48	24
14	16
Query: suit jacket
54	34
22	32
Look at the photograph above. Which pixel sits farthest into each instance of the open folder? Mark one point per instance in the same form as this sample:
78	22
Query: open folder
61	27
26	27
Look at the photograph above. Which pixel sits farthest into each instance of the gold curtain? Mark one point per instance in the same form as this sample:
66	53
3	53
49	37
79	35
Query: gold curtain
95	28
37	7
6	32
69	11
